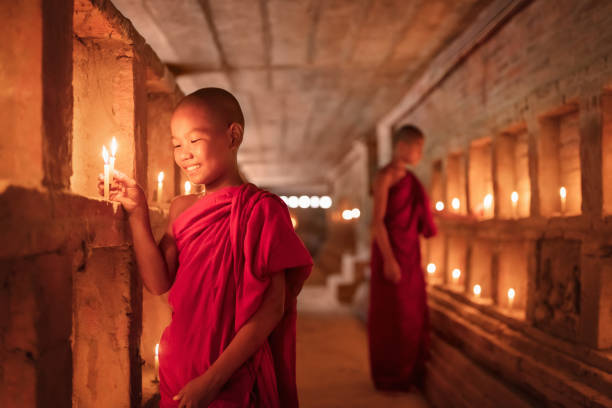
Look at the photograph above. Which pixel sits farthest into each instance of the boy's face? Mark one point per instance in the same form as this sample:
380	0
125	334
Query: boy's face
203	145
409	152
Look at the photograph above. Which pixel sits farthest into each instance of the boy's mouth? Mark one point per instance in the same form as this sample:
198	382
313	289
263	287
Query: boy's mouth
193	167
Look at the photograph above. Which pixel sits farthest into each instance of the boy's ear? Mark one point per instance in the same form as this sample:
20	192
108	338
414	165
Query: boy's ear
235	133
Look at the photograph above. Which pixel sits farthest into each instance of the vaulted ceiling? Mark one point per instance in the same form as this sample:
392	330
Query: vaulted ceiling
312	75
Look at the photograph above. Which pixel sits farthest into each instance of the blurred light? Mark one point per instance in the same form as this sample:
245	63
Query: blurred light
160	177
563	192
347	214
439	206
477	290
488	201
285	200
355	213
511	293
431	268
187	187
514	197
294	221
456	273
325	202
456	204
314	202
292	202
304	201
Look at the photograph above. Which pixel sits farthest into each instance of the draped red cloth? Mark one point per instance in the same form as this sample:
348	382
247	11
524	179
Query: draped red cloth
229	244
398	319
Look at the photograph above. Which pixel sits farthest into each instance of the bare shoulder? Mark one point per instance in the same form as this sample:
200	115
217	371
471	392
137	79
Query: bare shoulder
180	204
384	177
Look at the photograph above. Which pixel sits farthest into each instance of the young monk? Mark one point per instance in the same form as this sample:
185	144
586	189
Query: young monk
398	315
232	263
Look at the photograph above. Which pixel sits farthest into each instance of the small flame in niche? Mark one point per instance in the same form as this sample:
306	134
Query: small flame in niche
477	290
431	268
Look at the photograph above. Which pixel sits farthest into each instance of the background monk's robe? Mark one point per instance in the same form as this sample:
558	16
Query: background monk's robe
230	242
398	320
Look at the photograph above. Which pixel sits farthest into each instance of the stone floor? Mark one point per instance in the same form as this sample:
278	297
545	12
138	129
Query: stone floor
332	360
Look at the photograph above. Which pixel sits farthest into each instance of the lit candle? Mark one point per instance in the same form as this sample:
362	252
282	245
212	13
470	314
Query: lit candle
160	186
488	205
456	275
113	148
439	206
431	268
563	194
477	290
511	294
294	222
156	361
347	215
514	197
187	188
106	173
356	213
456	204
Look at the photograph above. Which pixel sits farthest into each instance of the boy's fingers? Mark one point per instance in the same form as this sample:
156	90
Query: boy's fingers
128	181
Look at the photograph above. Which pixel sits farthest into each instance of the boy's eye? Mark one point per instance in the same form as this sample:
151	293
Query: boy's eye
195	140
177	146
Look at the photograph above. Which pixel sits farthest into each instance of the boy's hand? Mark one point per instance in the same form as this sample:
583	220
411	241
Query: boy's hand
124	190
197	393
392	271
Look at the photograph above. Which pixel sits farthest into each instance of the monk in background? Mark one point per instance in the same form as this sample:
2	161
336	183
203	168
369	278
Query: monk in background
398	319
232	263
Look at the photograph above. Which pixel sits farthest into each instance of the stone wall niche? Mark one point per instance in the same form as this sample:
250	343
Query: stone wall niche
437	186
435	263
455	183
512	183
160	150
512	278
456	267
606	150
103	86
559	163
480	286
557	287
480	179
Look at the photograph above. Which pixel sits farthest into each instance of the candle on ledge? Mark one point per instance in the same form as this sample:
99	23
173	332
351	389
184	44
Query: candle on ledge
156	361
477	290
160	186
439	206
514	197
563	195
456	274
113	148
456	204
187	188
511	294
106	173
431	268
488	205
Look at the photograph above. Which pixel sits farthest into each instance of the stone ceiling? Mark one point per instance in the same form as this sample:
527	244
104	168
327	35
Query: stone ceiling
312	75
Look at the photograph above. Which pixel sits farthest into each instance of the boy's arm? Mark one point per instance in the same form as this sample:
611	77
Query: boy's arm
203	389
154	263
382	183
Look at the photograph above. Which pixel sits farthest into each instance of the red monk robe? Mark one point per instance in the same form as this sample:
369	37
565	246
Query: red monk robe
230	242
398	321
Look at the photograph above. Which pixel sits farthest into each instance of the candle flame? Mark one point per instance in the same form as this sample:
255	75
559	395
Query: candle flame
455	203
356	213
113	146
488	201
187	187
105	154
294	222
563	192
511	293
439	206
347	214
160	177
514	197
157	350
431	268
477	290
456	273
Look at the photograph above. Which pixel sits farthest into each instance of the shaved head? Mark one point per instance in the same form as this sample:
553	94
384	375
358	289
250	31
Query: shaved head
222	104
